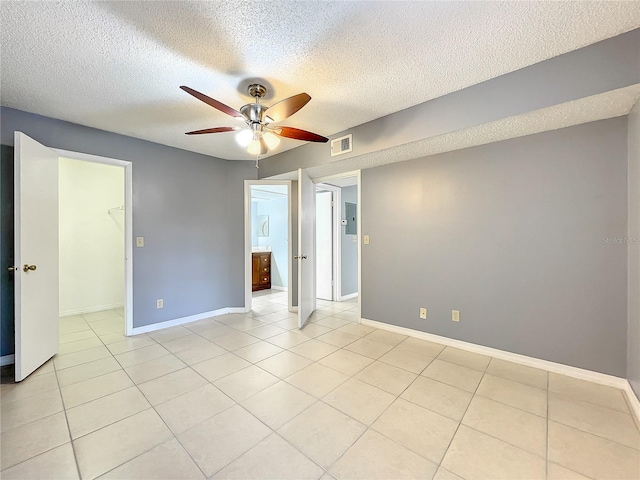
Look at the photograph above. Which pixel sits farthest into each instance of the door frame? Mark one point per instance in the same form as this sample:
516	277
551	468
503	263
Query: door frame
335	237
358	175
247	240
128	224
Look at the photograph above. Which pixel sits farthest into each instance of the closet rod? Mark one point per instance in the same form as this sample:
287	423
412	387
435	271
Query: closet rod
115	209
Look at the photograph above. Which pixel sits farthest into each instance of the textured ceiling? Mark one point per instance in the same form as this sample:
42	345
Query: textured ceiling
117	66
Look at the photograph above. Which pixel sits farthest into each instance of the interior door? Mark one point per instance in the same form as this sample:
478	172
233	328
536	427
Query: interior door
36	254
306	248
324	245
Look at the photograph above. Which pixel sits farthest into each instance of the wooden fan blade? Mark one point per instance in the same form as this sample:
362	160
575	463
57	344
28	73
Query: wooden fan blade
299	134
214	103
213	130
287	107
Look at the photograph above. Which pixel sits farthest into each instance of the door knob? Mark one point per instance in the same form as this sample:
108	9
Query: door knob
304	257
12	268
296	257
26	268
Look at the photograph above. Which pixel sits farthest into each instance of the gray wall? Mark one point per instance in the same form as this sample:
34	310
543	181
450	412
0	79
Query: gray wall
633	251
512	234
348	249
237	173
189	208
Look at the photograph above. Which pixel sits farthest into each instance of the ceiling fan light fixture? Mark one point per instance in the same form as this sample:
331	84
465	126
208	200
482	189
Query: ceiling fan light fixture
244	137
272	140
254	147
257	116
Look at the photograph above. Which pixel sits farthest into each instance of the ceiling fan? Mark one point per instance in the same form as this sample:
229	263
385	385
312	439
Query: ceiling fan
260	136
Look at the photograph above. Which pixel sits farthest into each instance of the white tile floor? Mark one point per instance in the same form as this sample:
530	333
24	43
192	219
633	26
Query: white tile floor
250	396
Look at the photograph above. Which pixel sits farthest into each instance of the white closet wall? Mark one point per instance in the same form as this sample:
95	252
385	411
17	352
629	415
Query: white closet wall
91	240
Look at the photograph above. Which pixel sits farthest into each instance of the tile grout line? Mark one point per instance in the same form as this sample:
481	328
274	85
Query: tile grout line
66	418
129	416
463	415
157	413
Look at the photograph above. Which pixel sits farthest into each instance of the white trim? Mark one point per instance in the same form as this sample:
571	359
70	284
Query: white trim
337	243
293	309
234	310
7	360
278	287
247	238
632	401
348	297
128	225
359	228
80	311
181	321
559	368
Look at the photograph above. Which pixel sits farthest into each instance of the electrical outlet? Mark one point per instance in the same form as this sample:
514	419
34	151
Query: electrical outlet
366	239
455	315
139	241
423	313
160	303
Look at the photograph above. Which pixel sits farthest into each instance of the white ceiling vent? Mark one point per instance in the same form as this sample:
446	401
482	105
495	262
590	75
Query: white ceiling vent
342	145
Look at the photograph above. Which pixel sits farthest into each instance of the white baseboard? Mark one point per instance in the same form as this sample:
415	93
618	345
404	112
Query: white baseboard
235	310
181	321
100	308
633	402
293	309
278	287
348	297
7	360
559	368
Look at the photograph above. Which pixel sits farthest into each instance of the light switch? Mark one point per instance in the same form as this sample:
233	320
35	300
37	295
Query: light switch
366	239
139	241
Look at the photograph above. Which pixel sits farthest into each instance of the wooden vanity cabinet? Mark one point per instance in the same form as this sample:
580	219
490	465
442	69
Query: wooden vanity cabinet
261	271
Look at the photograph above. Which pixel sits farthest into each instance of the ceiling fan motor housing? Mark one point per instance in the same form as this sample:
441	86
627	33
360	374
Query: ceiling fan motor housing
253	112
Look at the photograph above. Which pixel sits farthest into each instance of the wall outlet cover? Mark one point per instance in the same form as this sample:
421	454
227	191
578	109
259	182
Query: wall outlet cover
366	239
160	303
423	313
455	315
139	241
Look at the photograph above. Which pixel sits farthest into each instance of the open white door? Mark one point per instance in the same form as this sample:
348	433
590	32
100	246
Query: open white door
36	255
324	245
306	247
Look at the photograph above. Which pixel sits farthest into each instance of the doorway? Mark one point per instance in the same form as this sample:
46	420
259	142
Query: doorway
337	239
115	297
92	250
268	250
